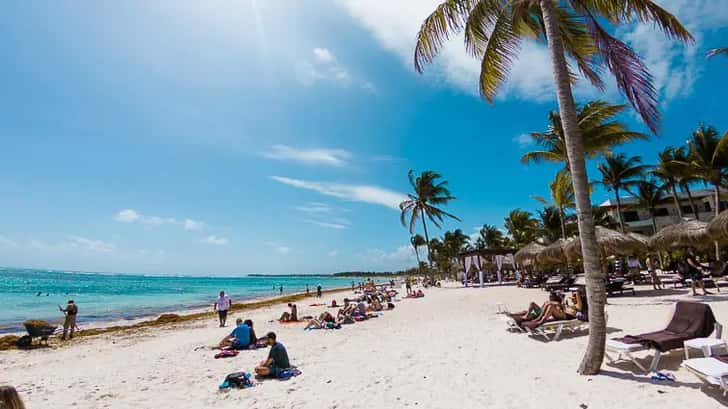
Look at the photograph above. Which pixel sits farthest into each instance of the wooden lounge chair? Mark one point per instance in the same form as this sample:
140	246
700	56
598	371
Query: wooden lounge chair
691	320
712	371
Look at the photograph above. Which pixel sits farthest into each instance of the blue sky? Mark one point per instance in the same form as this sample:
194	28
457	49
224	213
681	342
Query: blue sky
275	136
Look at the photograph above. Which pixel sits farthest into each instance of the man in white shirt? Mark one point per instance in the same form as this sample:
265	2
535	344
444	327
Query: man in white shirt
222	305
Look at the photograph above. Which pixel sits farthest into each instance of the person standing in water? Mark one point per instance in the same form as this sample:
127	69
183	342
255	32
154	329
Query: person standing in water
71	311
280	289
318	291
222	305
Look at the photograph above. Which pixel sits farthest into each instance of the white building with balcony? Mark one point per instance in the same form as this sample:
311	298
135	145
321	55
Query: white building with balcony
639	220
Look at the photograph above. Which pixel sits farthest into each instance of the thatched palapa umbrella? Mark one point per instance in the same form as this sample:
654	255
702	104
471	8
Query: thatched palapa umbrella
611	243
718	227
554	252
692	233
528	254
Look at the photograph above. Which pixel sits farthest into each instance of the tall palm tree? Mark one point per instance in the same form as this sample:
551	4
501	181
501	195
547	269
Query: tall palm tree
685	175
550	226
620	172
521	226
494	30
717	51
667	171
648	195
709	158
599	130
417	241
423	203
562	197
490	238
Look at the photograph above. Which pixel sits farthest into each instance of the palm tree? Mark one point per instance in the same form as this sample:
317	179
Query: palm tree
494	30
685	175
417	241
490	238
422	203
648	195
709	158
599	131
620	172
521	226
551	226
562	197
667	170
602	218
717	51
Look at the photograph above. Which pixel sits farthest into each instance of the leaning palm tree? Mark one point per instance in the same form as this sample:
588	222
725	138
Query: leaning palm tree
424	201
620	172
417	241
599	130
667	171
494	31
717	51
685	176
562	197
709	159
521	226
648	195
490	238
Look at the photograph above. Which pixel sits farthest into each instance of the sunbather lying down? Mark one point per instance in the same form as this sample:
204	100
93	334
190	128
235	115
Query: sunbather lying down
554	310
325	320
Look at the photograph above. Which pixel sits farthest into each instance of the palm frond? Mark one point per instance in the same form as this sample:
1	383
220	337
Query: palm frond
498	55
645	11
447	20
717	51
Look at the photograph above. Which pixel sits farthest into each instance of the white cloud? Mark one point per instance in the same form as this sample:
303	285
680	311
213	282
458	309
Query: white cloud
127	216
281	249
523	140
333	253
190	224
325	67
394	24
356	193
315	208
339	224
133	216
317	156
323	55
215	240
86	245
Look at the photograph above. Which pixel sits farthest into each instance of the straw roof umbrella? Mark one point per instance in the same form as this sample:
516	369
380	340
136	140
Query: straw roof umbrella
718	227
528	253
691	233
611	243
554	252
641	238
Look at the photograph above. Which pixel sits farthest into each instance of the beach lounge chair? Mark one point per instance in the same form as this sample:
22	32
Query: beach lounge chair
712	371
552	330
511	323
617	286
691	320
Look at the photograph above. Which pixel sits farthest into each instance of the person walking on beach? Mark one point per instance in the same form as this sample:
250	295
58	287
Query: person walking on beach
318	291
307	292
222	305
277	359
71	311
652	270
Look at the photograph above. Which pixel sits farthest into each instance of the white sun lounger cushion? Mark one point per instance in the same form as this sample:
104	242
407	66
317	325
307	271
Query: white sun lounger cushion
613	344
711	368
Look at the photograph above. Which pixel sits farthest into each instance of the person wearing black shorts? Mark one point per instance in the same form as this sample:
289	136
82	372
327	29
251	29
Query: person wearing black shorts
277	360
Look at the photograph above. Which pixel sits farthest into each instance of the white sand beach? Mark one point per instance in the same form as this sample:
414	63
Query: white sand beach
449	349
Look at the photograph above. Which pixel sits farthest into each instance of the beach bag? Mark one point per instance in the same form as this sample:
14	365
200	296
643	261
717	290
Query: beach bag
237	380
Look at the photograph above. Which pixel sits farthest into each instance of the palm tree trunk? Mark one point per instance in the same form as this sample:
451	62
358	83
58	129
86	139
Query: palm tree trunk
562	216
654	223
595	287
619	210
677	202
717	212
427	239
686	188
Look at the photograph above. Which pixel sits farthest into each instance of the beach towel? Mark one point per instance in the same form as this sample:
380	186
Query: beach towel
317	305
228	353
691	320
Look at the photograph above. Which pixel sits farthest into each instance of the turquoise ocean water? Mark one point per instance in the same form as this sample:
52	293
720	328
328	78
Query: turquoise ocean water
106	297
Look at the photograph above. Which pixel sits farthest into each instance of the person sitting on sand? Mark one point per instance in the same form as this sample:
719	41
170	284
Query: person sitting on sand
9	398
419	294
253	337
290	316
375	305
239	338
277	359
346	311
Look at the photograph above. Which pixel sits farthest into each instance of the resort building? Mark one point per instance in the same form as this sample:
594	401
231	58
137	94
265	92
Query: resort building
639	220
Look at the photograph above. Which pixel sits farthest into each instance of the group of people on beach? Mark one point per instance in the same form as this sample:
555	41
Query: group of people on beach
370	301
558	307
